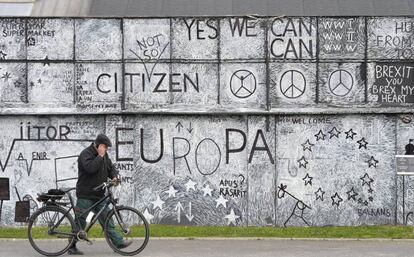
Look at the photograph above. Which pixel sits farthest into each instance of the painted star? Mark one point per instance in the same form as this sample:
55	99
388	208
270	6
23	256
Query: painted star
39	81
307	179
366	203
319	194
320	136
190	185
336	199
350	134
370	190
2	55
359	200
46	61
302	162
6	76
307	146
158	203
372	162
232	217
362	143
351	194
31	42
221	201
171	192
148	216
366	180
334	133
371	198
207	190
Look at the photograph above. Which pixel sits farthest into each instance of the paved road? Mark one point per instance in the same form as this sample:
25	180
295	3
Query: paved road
238	248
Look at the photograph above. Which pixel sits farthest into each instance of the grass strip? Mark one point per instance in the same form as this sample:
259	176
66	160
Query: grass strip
361	232
395	232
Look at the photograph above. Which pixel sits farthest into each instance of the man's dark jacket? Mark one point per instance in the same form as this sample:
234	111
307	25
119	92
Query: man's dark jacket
93	171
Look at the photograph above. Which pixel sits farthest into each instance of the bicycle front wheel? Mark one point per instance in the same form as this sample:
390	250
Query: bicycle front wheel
131	225
50	230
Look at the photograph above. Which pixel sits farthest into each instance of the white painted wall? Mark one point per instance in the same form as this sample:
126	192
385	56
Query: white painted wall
288	121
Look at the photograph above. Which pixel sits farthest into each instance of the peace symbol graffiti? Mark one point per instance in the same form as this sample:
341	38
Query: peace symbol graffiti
292	84
340	82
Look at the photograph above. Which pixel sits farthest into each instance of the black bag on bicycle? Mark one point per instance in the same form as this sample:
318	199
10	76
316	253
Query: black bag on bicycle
52	194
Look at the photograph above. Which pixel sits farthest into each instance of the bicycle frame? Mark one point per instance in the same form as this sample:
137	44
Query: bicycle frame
96	216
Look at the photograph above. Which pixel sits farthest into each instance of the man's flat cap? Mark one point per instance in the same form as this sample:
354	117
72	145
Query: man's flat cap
103	139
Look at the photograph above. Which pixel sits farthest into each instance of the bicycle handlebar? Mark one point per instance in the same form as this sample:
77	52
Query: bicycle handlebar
99	187
105	185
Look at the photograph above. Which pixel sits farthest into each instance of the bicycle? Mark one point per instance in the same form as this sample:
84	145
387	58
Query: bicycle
54	221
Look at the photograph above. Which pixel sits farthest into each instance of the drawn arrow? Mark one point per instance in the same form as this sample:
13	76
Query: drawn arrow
271	82
29	167
189	216
179	126
190	129
179	208
4	165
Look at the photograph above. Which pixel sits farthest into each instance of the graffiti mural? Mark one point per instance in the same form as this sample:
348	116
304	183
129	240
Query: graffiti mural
38	153
229	121
184	172
230	170
205	64
334	168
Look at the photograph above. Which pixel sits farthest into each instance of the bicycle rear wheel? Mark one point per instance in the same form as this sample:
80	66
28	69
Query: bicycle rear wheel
50	230
132	226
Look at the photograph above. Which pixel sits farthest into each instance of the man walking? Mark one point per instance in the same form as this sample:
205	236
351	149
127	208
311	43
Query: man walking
94	168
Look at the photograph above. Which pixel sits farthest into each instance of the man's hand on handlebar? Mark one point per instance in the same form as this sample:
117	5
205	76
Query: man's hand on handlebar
113	182
116	180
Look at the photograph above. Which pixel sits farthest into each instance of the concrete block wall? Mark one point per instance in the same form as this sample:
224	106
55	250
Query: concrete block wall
244	121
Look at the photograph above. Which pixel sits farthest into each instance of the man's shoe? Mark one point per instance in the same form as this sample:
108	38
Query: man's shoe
125	244
74	251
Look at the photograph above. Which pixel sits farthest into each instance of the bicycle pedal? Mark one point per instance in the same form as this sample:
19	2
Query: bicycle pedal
88	241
